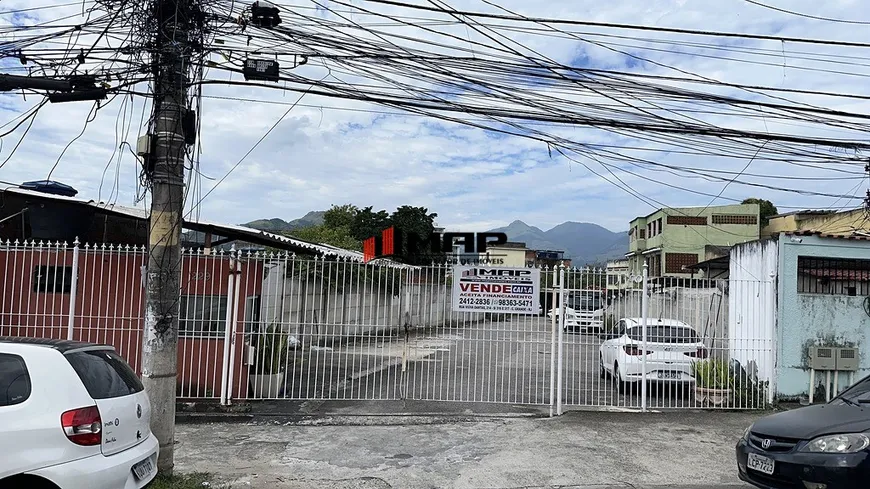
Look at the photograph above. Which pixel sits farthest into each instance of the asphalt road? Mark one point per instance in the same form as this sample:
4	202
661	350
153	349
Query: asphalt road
592	450
507	362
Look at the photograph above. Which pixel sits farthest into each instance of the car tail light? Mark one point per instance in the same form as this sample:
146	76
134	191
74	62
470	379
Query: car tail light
83	426
634	350
701	352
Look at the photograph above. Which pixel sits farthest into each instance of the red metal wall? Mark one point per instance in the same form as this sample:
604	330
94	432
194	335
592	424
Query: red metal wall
110	307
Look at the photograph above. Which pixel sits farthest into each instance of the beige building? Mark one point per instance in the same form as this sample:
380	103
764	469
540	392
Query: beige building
827	222
506	255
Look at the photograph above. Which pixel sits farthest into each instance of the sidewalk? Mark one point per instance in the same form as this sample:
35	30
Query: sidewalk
580	449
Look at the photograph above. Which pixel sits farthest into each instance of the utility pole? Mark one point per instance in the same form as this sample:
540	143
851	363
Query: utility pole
165	168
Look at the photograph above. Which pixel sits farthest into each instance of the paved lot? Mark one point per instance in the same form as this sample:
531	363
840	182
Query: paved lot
589	450
503	362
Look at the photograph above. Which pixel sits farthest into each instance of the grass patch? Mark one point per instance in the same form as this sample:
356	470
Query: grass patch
185	481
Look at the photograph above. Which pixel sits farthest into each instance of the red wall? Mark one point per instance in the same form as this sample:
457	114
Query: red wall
110	307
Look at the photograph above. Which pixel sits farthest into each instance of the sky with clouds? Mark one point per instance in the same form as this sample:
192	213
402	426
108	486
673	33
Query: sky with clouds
329	151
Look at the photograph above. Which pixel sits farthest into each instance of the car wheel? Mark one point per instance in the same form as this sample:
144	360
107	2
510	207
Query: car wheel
620	385
601	373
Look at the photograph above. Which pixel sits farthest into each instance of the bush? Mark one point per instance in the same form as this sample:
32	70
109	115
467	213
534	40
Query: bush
712	374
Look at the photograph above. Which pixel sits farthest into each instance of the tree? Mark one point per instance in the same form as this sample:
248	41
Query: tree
415	222
340	216
368	223
766	209
323	234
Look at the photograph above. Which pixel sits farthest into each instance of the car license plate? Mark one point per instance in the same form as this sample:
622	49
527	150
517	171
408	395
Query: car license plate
143	469
667	374
761	464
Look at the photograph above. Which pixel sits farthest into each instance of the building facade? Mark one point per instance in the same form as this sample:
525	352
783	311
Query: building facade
829	222
670	239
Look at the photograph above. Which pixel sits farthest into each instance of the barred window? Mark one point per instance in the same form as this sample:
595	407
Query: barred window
688	220
202	316
735	219
674	262
833	276
643	234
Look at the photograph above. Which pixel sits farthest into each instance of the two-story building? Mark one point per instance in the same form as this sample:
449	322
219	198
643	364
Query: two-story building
672	238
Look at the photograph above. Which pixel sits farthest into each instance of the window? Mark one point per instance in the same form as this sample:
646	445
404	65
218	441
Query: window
252	313
104	373
14	380
676	261
643	234
735	219
52	280
203	316
833	276
659	224
687	220
664	334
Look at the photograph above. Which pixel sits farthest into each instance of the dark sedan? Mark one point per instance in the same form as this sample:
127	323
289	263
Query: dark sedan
816	447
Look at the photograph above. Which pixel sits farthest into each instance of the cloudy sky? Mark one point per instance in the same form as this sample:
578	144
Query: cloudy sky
331	151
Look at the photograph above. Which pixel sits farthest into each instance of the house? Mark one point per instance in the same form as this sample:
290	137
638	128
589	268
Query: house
790	293
671	239
509	254
546	258
61	281
618	276
823	221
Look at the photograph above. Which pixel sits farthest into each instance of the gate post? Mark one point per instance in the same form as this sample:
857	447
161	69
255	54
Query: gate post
553	334
644	310
560	332
228	329
74	286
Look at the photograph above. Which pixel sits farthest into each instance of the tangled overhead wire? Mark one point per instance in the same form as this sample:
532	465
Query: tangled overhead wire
481	71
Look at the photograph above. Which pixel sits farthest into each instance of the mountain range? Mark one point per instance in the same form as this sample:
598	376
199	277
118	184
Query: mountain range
582	242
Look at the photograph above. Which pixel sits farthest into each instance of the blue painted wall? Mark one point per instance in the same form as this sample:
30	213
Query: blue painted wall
807	319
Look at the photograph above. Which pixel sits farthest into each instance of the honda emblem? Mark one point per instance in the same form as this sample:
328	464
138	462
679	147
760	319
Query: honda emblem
138	410
765	444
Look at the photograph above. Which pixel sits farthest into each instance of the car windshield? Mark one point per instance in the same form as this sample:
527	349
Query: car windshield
860	392
664	334
585	302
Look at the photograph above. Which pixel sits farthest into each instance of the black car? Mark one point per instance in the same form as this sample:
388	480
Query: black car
825	446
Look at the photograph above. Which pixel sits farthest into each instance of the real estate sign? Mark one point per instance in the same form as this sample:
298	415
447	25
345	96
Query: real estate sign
496	289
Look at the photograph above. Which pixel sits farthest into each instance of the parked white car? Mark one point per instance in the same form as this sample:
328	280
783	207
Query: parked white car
72	416
671	349
579	320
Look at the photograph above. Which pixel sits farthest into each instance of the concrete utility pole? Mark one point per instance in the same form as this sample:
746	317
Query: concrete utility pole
160	341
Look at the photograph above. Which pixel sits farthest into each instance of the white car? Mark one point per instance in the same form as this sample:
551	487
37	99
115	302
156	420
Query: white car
579	320
672	347
72	416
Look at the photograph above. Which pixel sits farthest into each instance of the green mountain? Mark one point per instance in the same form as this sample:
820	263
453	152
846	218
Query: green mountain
276	225
583	242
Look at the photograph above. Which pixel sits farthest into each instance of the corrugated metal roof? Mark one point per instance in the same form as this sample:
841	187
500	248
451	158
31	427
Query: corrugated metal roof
820	234
227	230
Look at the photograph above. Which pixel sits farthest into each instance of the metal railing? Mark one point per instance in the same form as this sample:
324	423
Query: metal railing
258	325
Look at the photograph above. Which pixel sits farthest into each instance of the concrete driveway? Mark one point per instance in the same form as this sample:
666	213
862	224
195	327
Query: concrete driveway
580	449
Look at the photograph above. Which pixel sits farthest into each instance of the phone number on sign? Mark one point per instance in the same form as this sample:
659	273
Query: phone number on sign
514	302
469	301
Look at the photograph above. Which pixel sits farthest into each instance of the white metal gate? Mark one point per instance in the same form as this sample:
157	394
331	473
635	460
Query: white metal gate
274	326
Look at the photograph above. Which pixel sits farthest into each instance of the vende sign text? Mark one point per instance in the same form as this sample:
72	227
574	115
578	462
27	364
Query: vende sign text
498	290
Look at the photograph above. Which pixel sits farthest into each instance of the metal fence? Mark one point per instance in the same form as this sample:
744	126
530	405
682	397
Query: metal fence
257	325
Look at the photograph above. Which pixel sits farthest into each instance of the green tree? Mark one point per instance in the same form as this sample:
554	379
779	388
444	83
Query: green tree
415	222
335	236
766	209
368	223
340	216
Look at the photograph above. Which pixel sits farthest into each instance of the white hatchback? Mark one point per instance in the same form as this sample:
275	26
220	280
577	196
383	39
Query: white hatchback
72	416
672	347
